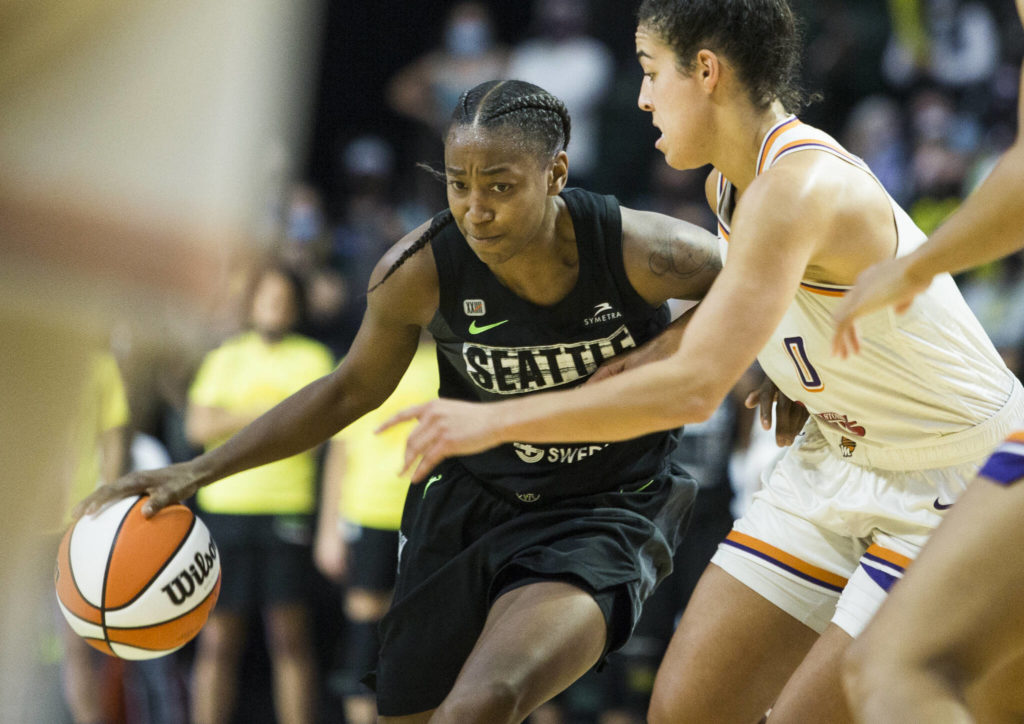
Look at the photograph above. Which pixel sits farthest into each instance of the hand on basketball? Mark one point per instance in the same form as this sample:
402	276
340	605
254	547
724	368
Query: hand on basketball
790	416
446	428
163	486
881	285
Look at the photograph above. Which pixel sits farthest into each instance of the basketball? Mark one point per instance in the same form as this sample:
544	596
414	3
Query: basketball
137	588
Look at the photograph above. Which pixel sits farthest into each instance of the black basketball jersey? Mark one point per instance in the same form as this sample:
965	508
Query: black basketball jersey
493	345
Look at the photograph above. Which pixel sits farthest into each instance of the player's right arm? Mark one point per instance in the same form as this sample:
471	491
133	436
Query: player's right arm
380	354
989	225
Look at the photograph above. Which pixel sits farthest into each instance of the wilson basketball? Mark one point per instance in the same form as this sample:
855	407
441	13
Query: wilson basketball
137	588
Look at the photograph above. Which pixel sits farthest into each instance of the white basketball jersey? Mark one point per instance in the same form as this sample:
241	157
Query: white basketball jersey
928	388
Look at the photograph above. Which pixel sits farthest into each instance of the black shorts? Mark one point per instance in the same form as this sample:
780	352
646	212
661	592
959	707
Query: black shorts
373	557
265	560
462	544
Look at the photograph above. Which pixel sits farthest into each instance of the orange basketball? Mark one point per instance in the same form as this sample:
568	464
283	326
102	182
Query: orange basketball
137	588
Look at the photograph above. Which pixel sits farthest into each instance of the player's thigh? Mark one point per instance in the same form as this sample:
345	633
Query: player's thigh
537	640
962	600
814	692
730	656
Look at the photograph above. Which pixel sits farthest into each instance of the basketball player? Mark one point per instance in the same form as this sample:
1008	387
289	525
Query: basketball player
949	644
521	567
894	435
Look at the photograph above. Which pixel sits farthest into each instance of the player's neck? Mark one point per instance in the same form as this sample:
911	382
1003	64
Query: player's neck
743	129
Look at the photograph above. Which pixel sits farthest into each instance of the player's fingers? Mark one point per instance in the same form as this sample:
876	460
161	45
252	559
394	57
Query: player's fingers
409	413
752	399
767	395
159	498
608	369
430	460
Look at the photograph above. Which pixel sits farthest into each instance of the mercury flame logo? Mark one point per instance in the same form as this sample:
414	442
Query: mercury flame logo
186	582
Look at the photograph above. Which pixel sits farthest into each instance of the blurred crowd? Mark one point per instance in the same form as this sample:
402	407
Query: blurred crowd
923	90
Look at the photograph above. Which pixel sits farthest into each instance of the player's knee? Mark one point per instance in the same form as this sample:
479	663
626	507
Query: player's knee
495	701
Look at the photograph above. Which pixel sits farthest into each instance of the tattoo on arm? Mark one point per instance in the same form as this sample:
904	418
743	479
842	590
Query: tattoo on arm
683	262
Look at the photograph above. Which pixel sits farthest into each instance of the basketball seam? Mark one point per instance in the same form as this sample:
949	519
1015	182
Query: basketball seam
167	562
74	582
106	569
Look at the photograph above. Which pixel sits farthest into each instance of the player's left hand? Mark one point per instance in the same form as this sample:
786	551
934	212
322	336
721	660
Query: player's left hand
884	284
445	428
790	416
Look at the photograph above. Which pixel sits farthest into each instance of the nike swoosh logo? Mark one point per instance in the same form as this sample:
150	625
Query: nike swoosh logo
433	479
474	328
941	506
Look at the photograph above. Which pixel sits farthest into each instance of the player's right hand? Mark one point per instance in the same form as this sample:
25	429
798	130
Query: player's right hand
163	486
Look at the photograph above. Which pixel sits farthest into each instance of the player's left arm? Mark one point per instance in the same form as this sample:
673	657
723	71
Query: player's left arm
666	258
782	222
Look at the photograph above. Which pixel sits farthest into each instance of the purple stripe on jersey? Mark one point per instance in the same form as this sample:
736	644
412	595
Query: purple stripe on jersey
1004	468
780	564
882	578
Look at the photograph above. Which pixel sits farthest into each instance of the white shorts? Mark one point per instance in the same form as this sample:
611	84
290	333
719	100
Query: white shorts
825	539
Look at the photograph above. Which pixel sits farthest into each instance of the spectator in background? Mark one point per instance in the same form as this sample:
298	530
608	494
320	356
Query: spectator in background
954	43
261	519
426	90
98	453
578	68
369	220
357	532
874	131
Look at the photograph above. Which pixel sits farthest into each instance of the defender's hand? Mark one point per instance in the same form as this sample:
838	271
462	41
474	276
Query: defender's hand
446	428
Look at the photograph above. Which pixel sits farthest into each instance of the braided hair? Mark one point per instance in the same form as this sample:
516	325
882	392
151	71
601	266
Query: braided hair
537	122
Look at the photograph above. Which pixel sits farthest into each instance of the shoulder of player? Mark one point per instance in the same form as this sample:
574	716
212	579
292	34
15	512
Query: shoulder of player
808	189
412	288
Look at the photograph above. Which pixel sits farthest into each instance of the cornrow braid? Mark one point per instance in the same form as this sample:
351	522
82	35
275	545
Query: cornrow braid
439	221
542	102
539	117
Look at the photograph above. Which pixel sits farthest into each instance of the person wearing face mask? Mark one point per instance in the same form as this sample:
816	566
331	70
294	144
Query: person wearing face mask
426	90
575	66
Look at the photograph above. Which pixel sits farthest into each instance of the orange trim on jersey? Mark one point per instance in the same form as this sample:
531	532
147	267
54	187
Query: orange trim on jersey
799	566
723	231
1017	436
811	142
792	122
897	559
824	291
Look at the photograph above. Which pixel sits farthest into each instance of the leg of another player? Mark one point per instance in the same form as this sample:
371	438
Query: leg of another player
537	640
815	690
364	609
81	683
730	656
291	658
948	630
215	670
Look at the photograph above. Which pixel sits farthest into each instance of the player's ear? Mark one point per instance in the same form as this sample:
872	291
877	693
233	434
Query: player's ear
558	173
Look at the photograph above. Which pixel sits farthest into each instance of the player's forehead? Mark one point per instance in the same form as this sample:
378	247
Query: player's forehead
488	149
